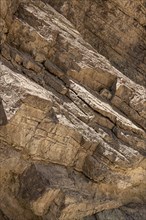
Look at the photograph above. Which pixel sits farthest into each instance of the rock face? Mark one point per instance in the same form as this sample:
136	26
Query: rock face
72	126
130	212
115	28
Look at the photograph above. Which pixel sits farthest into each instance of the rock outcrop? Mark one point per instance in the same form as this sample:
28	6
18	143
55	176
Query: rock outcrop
72	126
115	28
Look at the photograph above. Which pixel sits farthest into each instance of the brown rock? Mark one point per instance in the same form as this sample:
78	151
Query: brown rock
72	126
3	117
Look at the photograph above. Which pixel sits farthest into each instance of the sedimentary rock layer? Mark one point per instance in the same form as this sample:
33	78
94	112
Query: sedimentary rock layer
117	29
72	126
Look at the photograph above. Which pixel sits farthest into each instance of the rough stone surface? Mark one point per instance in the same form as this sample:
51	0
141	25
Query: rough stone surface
117	29
129	212
72	126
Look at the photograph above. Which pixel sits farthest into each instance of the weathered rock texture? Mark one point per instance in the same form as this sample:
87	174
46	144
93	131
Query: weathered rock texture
72	126
116	28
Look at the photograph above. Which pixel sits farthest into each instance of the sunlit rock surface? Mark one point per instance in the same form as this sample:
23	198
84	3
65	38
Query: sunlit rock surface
72	126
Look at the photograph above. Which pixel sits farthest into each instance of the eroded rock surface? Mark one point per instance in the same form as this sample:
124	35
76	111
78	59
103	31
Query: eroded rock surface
72	126
129	212
117	29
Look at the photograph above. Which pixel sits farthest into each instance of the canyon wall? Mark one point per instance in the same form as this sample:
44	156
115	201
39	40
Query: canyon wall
115	28
72	121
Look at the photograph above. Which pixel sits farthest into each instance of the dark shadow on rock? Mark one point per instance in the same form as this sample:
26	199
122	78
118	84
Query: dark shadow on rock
3	117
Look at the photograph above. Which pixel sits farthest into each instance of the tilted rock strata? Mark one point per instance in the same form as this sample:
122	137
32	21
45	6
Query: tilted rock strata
75	142
117	29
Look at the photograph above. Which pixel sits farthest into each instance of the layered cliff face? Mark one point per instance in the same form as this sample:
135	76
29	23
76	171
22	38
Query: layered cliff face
115	28
72	126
